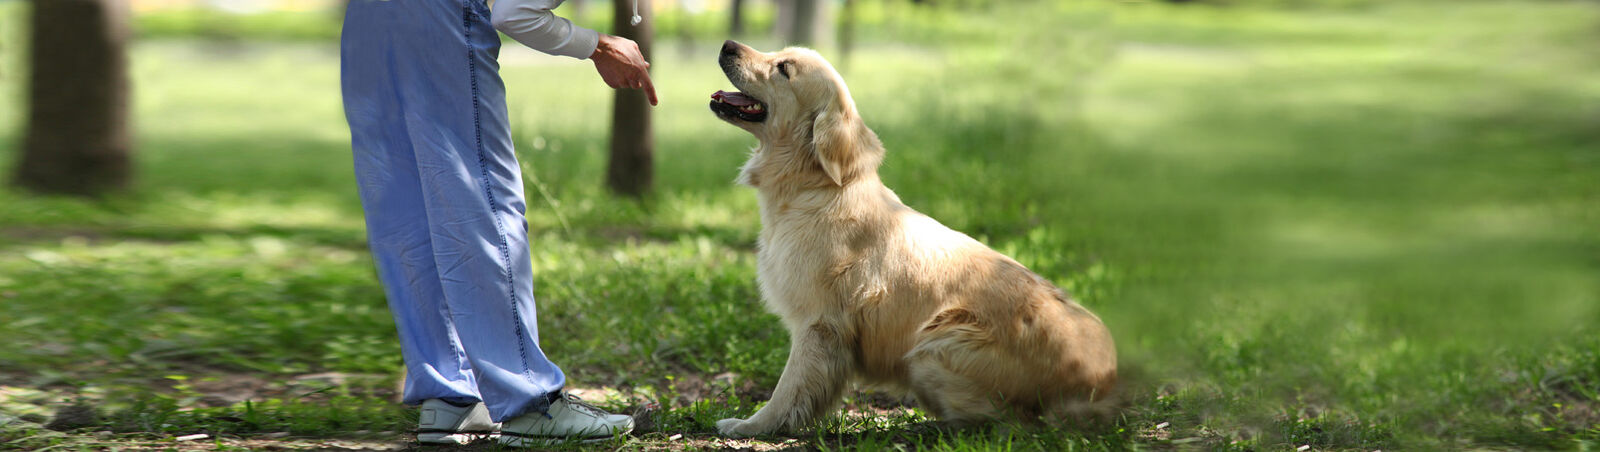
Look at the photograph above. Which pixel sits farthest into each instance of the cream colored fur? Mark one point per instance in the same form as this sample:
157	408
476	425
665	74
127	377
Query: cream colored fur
871	290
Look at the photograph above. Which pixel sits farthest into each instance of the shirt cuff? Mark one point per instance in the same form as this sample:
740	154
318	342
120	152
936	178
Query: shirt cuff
580	45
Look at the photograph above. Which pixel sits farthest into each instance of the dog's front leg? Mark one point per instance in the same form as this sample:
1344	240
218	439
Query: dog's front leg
810	386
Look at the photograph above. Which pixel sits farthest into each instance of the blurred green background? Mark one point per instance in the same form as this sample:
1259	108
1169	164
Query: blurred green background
1338	224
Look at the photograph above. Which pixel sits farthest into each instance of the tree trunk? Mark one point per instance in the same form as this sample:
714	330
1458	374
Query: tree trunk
736	18
631	171
847	32
77	138
805	23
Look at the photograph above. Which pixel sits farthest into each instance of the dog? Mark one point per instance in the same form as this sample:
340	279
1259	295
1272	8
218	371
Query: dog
873	291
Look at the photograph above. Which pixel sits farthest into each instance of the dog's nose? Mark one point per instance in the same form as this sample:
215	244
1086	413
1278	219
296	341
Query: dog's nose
730	48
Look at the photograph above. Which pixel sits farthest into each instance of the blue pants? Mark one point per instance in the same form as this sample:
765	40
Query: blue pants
442	193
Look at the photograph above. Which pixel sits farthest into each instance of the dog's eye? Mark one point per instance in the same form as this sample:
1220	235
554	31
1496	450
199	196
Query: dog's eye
783	68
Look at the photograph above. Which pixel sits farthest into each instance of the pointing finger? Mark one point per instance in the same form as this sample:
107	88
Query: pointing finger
650	90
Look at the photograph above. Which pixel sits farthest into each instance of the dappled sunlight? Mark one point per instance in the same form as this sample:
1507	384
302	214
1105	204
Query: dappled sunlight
244	210
1338	238
732	212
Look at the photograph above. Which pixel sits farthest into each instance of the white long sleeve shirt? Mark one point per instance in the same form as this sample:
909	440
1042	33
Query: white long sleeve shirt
531	23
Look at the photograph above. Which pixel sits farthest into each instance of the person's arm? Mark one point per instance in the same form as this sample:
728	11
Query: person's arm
531	23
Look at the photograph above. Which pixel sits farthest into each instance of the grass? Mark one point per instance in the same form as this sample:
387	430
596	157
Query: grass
1370	226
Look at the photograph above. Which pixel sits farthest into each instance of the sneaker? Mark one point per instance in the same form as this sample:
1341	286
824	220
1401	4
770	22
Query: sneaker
443	423
568	419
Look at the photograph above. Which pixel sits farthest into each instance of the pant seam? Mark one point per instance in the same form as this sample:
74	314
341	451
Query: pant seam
488	192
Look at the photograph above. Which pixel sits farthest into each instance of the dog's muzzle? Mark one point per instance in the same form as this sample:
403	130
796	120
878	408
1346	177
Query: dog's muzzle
735	105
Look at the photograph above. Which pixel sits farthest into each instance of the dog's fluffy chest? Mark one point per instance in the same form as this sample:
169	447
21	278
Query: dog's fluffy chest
798	242
827	254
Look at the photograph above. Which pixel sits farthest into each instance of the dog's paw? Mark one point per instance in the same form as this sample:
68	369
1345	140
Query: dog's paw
735	428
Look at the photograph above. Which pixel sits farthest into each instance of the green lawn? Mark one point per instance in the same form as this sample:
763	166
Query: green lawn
1371	226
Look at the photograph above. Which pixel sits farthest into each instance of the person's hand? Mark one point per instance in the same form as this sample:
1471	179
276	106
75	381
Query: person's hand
622	66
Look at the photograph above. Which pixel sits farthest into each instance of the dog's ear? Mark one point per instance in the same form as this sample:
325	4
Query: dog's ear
838	137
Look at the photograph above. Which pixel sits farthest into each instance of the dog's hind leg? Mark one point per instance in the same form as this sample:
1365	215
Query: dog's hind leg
812	382
952	398
943	366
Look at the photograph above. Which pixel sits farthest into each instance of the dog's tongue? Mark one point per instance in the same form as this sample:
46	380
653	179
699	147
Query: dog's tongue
736	99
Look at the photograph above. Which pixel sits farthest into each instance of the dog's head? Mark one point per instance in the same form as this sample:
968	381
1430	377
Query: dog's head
798	106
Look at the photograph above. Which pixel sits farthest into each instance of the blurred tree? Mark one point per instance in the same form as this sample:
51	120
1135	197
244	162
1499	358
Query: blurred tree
631	170
805	22
684	24
847	32
77	137
736	18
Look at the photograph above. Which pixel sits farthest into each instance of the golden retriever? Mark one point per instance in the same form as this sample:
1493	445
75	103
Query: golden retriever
870	289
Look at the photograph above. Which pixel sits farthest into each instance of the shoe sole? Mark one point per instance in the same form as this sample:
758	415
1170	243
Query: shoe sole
514	440
454	438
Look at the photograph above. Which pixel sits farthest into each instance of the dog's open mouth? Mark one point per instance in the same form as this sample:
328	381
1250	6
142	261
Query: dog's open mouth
737	105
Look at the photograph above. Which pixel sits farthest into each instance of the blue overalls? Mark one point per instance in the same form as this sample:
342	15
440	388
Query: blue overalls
443	198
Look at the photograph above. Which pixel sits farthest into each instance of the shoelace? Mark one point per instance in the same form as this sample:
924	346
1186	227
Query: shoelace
583	406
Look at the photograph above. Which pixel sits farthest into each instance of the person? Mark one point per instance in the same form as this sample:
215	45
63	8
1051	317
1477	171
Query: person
443	201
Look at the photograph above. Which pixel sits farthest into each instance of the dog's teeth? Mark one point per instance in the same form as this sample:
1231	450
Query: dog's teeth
757	107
